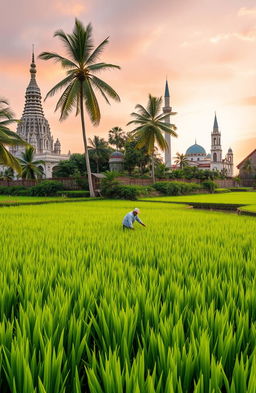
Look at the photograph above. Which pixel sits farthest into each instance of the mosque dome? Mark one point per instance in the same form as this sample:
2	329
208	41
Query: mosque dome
116	161
195	149
116	155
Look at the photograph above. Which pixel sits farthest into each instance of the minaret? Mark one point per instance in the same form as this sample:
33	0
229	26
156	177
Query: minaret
230	162
33	126
167	109
216	149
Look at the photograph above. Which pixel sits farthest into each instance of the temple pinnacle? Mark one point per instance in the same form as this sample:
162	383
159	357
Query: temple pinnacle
33	66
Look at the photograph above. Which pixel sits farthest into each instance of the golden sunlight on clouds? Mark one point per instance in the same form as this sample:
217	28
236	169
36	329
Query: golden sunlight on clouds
244	11
70	7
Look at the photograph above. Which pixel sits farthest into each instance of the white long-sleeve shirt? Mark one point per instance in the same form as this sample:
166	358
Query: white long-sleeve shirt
129	220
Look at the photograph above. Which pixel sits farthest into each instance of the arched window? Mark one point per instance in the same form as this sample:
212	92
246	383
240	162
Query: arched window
214	157
214	141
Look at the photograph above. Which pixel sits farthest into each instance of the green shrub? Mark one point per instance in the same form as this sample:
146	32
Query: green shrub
241	189
14	190
112	188
131	192
120	191
46	188
73	194
209	185
109	184
4	190
176	188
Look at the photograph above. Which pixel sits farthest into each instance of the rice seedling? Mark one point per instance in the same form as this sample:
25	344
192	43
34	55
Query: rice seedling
86	307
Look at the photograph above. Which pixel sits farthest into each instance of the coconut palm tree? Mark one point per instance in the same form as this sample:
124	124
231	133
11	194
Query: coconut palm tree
30	168
7	174
8	137
181	160
81	81
117	137
150	125
99	150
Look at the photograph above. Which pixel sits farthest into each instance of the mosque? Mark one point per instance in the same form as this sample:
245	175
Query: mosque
196	154
34	128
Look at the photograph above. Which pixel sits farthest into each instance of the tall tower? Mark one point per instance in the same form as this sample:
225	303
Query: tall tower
229	162
216	149
167	109
33	126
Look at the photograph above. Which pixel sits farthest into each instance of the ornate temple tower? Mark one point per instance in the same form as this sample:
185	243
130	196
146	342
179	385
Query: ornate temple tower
216	149
33	126
167	109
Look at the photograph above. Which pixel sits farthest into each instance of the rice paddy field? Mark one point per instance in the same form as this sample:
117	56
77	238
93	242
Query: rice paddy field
88	307
6	200
250	208
242	198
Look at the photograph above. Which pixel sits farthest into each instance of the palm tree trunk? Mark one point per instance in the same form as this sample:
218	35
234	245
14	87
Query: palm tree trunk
88	167
153	169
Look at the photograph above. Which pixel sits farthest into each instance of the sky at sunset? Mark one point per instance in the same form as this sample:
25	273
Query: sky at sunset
206	48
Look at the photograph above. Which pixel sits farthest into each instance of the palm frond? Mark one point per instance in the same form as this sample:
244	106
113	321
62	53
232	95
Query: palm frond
143	111
66	41
102	67
10	138
163	116
101	92
65	63
84	42
69	99
97	52
7	159
60	86
91	102
108	90
168	128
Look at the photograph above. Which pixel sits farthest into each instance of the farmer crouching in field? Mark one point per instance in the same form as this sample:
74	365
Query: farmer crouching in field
130	218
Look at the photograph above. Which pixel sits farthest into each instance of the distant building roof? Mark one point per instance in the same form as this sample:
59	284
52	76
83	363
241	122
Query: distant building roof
246	158
117	154
195	149
99	175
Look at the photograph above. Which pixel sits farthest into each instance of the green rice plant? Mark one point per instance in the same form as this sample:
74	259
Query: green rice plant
88	307
240	198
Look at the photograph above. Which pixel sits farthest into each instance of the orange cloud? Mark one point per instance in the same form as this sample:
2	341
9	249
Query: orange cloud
248	101
244	11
